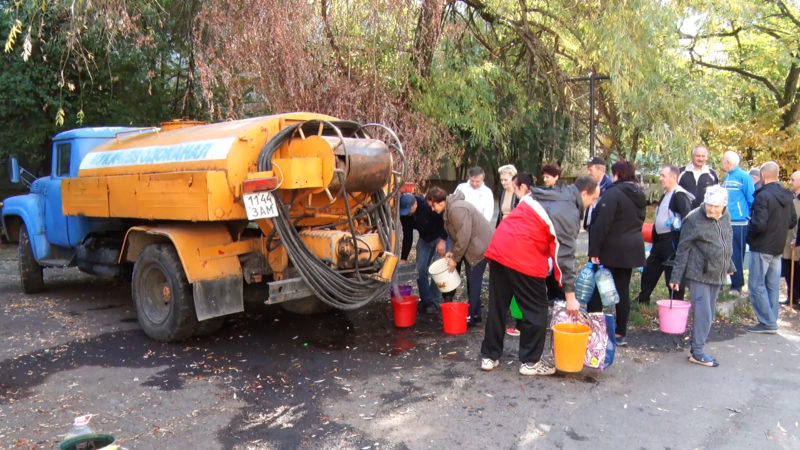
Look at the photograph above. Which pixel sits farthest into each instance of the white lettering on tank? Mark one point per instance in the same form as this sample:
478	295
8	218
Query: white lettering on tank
209	150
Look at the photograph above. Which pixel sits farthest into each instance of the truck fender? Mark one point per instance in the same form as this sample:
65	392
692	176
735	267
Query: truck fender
28	210
216	280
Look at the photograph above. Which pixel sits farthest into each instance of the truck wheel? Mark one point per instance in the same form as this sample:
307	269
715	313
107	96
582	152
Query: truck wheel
162	295
30	272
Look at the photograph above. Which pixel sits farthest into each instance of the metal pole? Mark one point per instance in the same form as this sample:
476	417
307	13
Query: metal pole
591	78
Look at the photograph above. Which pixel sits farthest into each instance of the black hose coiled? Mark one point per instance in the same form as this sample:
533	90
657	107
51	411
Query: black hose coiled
330	286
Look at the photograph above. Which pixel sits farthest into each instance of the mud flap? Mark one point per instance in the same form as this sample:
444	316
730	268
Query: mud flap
215	298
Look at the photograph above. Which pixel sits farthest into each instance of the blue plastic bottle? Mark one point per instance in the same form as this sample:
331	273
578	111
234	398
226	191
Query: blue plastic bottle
605	285
584	284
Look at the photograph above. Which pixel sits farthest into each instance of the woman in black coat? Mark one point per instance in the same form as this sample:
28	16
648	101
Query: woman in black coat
615	239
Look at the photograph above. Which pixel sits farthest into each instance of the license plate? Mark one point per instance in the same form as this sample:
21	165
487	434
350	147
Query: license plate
260	205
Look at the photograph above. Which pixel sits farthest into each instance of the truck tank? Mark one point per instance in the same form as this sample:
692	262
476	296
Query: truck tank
317	190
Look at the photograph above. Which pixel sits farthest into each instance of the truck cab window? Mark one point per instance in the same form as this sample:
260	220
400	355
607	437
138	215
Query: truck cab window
62	166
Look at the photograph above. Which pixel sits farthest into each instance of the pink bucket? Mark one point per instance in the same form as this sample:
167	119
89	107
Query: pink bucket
673	315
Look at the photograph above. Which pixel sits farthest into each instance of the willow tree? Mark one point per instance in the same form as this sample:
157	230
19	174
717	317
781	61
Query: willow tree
644	109
752	49
358	60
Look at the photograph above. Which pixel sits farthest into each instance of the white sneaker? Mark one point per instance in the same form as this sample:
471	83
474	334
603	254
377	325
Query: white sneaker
489	364
538	368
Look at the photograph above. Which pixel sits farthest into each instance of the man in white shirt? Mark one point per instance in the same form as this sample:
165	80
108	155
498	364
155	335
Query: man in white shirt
477	193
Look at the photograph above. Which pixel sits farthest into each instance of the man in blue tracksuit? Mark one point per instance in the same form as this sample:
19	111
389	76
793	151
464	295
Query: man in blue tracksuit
740	200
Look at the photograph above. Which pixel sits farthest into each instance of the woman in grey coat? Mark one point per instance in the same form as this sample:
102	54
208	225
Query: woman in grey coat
702	261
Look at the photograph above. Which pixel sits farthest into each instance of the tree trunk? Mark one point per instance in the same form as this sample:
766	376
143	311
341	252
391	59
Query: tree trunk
426	36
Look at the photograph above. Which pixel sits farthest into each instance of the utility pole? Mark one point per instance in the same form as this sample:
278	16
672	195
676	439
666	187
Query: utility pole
592	79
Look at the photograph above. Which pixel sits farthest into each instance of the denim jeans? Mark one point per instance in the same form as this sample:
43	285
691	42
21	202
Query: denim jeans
426	253
704	300
764	282
739	249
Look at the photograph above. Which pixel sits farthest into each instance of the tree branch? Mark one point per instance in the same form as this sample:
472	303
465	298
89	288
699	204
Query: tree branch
787	13
738	70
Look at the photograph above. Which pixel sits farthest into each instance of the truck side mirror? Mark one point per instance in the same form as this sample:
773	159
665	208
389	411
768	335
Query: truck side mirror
13	169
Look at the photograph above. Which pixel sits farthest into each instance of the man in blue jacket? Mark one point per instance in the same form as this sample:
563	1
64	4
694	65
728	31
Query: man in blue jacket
740	200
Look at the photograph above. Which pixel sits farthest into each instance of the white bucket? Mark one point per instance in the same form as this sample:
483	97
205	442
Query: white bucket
445	281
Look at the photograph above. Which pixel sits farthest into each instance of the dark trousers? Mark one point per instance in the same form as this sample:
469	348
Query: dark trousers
739	249
622	281
786	272
531	295
474	285
554	291
660	253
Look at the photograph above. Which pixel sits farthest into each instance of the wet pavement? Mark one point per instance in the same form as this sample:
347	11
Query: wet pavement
270	379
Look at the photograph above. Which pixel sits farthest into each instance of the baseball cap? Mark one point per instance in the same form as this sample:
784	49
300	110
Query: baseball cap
596	160
406	200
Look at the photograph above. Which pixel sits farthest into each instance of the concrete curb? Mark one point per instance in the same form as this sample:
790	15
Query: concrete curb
726	308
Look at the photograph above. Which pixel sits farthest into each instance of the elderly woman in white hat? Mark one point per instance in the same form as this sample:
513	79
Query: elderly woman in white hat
702	261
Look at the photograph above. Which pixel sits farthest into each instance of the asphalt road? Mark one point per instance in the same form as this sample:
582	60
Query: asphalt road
270	379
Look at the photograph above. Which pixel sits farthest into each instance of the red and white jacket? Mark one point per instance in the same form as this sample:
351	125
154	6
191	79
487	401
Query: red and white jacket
525	240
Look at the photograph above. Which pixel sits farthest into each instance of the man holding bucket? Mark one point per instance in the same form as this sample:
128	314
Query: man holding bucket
470	233
518	254
704	257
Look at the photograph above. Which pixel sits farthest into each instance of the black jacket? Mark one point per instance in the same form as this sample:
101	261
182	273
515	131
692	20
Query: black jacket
697	188
615	234
429	225
514	203
770	220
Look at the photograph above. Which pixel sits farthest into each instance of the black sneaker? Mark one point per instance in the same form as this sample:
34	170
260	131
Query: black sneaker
622	341
761	328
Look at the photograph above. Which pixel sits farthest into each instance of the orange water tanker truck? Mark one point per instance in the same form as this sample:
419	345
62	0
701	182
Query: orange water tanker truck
299	207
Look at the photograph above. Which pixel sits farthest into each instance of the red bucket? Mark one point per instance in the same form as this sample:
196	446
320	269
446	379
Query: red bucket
405	311
454	317
647	232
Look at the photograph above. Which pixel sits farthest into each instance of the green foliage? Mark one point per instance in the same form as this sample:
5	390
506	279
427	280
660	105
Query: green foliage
92	79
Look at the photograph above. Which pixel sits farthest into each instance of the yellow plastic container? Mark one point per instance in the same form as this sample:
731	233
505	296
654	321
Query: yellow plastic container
569	346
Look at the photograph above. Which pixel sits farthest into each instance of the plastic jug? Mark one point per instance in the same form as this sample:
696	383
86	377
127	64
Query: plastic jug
80	426
605	285
584	283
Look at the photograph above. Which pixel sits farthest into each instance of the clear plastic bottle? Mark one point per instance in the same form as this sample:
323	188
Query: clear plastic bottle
584	283
605	285
80	426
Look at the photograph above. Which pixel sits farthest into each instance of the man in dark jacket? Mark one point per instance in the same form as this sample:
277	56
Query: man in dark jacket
596	168
697	175
673	207
416	214
773	215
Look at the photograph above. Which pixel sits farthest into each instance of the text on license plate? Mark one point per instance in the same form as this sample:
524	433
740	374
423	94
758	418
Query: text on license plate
260	205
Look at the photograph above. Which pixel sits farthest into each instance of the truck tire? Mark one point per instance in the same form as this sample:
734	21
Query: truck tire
30	272
162	295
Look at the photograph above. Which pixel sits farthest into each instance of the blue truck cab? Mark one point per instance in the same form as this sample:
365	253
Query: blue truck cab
45	236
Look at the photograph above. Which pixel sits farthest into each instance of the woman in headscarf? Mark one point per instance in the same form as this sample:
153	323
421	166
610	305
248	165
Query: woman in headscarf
703	259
